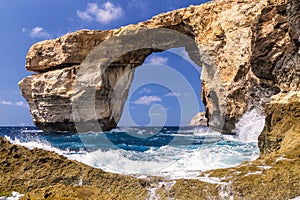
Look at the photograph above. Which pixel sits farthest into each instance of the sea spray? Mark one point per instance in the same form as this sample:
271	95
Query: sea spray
250	126
191	151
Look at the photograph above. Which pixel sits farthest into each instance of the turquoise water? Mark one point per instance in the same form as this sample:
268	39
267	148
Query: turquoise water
173	152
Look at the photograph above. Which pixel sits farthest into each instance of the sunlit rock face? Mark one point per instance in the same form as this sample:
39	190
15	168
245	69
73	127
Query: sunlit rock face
245	48
199	120
282	128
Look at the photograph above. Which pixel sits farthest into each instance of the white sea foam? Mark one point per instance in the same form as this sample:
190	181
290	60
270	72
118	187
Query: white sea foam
296	198
35	143
14	196
254	173
265	167
281	158
212	180
205	131
172	161
31	131
250	126
167	186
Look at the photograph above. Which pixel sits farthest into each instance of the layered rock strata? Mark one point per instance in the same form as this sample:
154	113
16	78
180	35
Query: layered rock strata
282	128
238	43
248	51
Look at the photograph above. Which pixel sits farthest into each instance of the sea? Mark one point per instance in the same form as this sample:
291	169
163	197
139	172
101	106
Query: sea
171	152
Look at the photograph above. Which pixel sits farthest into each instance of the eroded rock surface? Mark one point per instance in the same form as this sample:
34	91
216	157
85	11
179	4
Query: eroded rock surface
40	174
282	129
243	46
25	170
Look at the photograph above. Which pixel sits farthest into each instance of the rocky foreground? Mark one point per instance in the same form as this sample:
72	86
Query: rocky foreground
41	174
249	50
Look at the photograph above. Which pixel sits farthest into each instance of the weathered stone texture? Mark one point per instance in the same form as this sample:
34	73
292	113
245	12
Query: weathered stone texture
68	50
249	51
25	170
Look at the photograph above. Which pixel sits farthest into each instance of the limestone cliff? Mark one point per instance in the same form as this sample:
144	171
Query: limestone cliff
243	47
282	128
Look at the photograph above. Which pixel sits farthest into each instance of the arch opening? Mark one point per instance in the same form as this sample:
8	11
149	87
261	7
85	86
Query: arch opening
152	137
165	91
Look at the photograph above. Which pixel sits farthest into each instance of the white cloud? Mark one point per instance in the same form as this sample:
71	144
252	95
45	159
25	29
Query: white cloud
159	60
105	14
10	103
37	32
21	104
145	91
183	54
172	94
136	4
156	114
187	94
84	15
7	103
147	100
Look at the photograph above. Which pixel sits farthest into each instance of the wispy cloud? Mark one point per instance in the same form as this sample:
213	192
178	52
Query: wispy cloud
172	94
10	103
136	4
156	114
104	14
7	103
183	54
21	104
147	100
37	32
187	94
159	60
85	14
145	91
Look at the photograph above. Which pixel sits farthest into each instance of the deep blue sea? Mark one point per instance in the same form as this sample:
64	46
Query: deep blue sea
172	152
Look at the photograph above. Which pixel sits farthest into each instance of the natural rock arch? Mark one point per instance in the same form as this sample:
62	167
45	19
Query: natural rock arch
114	68
245	44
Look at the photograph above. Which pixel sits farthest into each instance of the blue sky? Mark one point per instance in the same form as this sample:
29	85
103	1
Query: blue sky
27	22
